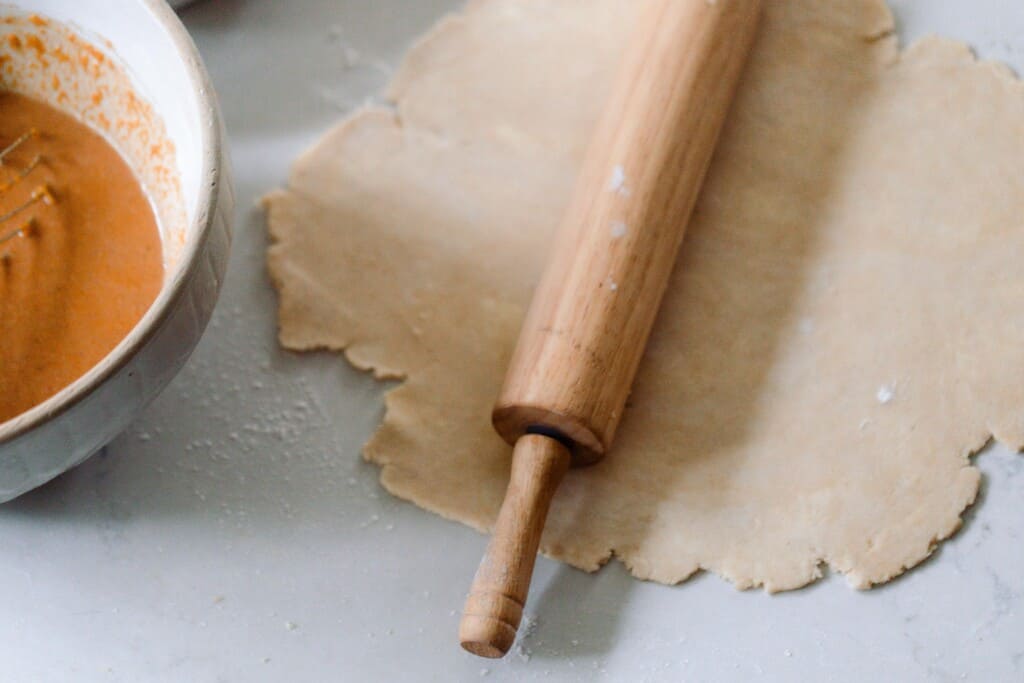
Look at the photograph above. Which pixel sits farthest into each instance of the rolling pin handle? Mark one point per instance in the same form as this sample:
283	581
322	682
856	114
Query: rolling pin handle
494	607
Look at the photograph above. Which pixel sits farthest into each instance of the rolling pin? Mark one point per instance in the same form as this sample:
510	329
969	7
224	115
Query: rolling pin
591	315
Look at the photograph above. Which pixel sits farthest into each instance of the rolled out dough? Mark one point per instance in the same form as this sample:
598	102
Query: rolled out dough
844	329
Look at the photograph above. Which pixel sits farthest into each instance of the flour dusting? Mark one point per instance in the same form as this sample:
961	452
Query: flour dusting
618	181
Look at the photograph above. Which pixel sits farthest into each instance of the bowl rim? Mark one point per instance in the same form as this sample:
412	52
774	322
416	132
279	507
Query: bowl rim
201	224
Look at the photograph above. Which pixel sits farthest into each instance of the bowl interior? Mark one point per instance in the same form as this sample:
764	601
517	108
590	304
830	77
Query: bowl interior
151	108
133	74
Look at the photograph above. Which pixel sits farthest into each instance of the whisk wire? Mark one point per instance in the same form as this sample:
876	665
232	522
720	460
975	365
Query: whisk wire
40	194
21	174
24	231
22	139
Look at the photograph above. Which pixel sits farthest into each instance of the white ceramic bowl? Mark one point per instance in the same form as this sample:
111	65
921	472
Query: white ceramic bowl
145	37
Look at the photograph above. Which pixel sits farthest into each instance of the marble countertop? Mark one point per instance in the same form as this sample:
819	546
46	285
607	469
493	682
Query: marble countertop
234	534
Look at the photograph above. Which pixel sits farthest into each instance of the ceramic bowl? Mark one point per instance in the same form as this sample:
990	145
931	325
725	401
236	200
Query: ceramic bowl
145	38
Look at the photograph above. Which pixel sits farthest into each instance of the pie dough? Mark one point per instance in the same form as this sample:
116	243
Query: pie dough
844	328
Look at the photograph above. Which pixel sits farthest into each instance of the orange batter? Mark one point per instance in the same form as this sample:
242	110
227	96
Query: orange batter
87	268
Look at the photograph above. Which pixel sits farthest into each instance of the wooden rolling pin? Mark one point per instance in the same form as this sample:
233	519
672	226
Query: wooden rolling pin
591	315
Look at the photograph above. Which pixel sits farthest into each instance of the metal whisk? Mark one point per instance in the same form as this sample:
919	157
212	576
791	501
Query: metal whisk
27	228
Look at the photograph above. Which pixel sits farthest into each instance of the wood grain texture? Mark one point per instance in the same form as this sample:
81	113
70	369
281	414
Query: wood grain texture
588	325
494	607
590	318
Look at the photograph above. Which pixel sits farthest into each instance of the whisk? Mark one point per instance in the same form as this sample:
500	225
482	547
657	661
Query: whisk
28	227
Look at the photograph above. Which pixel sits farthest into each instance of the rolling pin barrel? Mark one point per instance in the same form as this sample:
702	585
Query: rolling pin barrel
586	331
592	313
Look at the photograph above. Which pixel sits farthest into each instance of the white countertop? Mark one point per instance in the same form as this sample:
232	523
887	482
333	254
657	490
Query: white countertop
234	534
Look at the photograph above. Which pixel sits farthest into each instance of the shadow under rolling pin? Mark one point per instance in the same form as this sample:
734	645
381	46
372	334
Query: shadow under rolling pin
592	313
